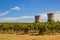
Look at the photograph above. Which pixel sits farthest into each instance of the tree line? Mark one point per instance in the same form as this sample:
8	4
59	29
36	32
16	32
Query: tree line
39	28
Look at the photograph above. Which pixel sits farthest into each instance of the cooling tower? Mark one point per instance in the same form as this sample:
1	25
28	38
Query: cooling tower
50	17
37	18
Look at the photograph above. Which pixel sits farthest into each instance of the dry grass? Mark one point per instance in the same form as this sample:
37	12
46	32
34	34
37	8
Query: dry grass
28	37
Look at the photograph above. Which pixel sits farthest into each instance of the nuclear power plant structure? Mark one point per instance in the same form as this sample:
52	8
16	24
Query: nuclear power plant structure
37	18
50	17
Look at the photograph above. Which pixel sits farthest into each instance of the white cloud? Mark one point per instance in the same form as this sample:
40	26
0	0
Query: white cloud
25	17
4	13
8	19
16	8
15	18
43	17
57	17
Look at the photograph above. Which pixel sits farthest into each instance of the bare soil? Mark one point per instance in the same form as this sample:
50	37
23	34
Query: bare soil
28	37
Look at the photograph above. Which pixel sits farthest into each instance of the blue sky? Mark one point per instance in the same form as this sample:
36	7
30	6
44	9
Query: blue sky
25	10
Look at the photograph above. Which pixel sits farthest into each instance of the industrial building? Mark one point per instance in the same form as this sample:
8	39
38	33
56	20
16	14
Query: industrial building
50	17
37	18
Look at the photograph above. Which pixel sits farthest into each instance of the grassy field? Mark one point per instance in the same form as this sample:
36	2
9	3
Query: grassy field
28	37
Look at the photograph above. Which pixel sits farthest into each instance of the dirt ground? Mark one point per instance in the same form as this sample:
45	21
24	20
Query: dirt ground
28	37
